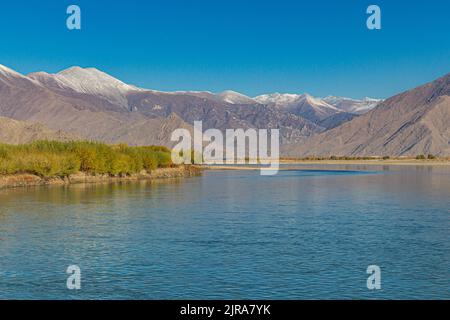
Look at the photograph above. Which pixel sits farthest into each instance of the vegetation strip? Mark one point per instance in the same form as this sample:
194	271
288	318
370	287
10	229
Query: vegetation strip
61	159
53	162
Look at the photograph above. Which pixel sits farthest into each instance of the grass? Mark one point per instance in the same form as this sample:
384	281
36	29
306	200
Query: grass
61	159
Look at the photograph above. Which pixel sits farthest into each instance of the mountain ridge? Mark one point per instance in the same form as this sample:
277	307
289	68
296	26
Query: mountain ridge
93	105
414	122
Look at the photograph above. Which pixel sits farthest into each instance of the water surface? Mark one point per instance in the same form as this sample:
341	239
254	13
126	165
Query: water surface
233	235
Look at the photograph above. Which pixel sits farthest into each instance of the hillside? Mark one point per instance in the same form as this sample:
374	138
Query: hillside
19	132
96	106
411	123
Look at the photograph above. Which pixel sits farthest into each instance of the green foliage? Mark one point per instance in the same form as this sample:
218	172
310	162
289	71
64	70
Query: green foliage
53	158
3	152
164	159
150	161
420	157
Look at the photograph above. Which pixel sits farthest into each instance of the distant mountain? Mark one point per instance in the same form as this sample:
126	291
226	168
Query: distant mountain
315	110
324	114
303	105
336	120
328	112
235	98
94	105
221	115
231	97
88	81
414	122
19	132
91	104
353	105
97	113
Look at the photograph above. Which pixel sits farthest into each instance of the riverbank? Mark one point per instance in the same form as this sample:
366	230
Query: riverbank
377	162
31	180
372	162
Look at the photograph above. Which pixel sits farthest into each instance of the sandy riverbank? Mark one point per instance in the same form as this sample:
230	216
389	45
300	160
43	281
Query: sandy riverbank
29	180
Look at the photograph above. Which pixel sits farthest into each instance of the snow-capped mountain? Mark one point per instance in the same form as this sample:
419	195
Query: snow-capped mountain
279	100
304	105
87	81
235	98
7	72
283	100
9	76
96	106
353	105
231	97
414	122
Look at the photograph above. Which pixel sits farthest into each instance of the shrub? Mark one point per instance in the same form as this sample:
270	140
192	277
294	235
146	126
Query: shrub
120	165
420	157
3	152
87	158
150	161
164	159
52	158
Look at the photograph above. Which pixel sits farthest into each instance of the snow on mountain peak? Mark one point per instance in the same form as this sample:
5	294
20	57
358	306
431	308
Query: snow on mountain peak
368	99
353	105
233	97
88	81
7	72
91	80
283	100
9	75
278	99
95	82
304	105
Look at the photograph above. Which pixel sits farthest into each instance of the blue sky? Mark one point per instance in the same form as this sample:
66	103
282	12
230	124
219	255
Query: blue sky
251	46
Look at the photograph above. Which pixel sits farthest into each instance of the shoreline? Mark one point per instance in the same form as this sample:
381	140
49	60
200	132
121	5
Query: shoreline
373	162
31	180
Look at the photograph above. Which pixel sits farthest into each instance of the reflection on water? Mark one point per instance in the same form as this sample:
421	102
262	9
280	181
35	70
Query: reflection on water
233	234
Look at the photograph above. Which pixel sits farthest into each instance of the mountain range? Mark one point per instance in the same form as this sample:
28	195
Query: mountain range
90	104
411	123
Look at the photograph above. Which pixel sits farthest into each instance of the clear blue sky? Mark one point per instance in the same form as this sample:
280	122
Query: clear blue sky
252	46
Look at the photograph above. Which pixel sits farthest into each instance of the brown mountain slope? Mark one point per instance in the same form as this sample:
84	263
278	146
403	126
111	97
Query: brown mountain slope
96	106
411	123
157	131
82	114
18	132
221	115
